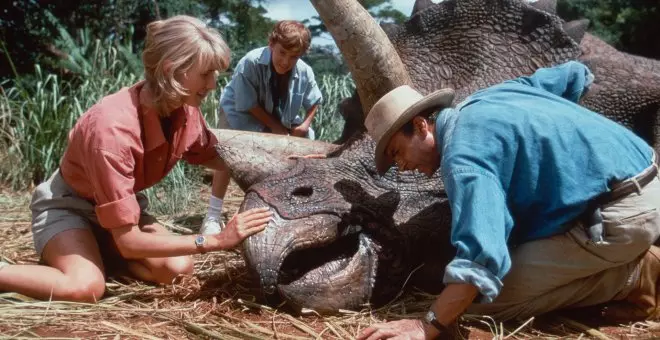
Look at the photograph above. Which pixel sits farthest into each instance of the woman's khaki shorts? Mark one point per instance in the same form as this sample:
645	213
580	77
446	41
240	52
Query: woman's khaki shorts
57	208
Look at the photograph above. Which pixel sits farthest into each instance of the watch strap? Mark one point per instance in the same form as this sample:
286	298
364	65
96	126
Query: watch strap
440	327
430	318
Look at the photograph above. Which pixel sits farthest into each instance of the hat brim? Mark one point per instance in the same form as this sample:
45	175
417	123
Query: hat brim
440	99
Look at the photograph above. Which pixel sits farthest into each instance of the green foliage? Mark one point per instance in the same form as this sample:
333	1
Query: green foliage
328	123
242	22
38	111
84	55
29	33
629	25
383	11
325	60
35	31
36	117
23	35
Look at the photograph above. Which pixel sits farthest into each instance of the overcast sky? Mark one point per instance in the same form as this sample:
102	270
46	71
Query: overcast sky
303	9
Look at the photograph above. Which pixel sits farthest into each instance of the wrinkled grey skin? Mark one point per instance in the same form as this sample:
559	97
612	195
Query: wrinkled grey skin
472	44
344	236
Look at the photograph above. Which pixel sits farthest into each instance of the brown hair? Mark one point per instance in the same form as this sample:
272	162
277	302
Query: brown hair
292	35
183	42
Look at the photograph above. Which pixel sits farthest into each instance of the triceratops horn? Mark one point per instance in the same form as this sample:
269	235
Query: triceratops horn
371	57
421	5
549	6
576	29
252	156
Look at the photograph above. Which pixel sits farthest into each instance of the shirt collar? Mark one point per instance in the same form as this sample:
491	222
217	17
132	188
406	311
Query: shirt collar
149	121
265	56
153	130
444	128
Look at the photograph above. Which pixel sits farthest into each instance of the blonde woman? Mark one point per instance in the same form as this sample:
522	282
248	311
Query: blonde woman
91	214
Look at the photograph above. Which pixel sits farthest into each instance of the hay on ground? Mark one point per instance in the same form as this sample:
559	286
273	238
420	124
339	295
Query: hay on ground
220	302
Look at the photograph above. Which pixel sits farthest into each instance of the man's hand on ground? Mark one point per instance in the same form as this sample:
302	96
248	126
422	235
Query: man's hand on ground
398	330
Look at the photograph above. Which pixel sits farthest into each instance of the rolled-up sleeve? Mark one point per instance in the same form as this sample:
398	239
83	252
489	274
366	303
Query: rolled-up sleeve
203	147
313	95
111	176
244	84
481	223
569	80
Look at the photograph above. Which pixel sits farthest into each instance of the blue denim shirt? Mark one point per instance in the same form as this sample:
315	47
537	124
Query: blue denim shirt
249	87
521	159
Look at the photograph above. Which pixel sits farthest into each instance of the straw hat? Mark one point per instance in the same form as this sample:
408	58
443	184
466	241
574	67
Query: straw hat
394	110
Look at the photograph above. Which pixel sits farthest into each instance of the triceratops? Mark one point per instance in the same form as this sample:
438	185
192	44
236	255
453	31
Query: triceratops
342	235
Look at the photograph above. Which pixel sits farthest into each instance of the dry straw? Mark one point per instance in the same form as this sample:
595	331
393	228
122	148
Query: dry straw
220	303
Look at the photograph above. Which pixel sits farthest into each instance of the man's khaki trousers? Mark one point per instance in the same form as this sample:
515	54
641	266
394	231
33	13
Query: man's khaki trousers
571	270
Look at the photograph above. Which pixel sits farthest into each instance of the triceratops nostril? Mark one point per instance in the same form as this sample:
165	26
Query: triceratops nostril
303	192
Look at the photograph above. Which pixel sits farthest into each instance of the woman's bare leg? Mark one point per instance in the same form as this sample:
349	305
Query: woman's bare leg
162	269
73	271
220	183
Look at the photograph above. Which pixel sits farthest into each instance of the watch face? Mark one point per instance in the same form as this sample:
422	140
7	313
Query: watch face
200	240
430	316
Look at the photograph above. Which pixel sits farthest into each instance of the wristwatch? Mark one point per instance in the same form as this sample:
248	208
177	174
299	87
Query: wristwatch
430	318
200	242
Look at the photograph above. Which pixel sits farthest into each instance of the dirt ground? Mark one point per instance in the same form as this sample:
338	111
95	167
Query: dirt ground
220	302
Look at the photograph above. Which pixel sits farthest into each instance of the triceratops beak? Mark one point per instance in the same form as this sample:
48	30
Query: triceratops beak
253	156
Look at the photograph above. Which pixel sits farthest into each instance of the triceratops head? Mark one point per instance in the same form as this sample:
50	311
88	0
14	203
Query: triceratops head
342	235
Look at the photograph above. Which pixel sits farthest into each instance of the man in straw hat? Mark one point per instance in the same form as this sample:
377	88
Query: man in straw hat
553	206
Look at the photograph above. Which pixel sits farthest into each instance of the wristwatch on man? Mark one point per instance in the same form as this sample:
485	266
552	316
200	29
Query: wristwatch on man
200	242
430	319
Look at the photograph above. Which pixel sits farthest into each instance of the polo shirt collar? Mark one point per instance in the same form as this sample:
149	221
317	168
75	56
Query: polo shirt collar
150	123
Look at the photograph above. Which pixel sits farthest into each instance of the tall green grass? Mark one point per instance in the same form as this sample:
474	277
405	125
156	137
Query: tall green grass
36	116
328	123
35	119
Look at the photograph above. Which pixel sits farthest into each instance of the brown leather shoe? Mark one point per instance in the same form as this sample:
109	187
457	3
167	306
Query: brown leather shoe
643	301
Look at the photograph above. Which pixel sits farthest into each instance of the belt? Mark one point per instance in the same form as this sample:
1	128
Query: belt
629	186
